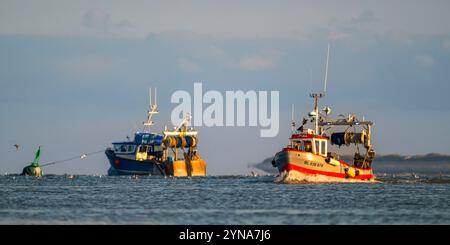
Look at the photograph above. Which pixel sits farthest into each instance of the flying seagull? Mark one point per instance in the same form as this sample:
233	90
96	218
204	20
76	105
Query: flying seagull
17	146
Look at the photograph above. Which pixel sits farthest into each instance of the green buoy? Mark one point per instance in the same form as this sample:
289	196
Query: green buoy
34	169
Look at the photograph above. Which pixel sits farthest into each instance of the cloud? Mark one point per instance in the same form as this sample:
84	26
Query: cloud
338	35
446	44
214	51
92	65
268	19
346	29
399	38
365	17
99	19
124	24
266	59
425	60
96	18
188	65
253	63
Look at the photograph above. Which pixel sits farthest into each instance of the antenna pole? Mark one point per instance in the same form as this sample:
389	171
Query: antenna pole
292	119
326	70
150	96
316	109
155	97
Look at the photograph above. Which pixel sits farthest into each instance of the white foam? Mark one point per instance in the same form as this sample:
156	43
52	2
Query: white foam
295	177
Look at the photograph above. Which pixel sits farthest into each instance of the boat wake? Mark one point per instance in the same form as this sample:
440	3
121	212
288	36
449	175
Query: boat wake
294	177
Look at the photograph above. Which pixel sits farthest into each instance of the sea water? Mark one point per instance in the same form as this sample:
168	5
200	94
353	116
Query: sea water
64	199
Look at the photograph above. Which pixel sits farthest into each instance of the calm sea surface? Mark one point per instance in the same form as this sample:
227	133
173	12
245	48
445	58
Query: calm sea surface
61	199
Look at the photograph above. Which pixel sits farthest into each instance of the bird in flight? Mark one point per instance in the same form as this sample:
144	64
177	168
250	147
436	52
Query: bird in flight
17	146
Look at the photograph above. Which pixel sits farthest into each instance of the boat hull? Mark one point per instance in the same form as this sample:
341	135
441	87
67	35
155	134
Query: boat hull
127	165
121	165
297	166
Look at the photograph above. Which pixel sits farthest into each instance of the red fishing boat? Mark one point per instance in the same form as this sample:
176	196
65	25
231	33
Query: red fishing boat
307	157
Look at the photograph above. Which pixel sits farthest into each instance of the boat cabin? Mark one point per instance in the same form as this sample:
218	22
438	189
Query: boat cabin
124	147
145	146
309	142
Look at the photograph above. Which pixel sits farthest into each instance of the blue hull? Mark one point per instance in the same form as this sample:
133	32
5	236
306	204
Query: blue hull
123	166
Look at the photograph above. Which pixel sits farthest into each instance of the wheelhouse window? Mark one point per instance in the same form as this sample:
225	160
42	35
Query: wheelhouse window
145	139
323	148
142	148
296	144
150	149
157	148
307	144
124	148
317	146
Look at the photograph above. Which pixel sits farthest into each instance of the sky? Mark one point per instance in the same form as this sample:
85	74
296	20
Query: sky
74	75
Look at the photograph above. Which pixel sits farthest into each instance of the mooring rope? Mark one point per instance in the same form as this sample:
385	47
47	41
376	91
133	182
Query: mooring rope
72	158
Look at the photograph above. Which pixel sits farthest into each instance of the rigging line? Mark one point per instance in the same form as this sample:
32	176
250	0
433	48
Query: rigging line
72	158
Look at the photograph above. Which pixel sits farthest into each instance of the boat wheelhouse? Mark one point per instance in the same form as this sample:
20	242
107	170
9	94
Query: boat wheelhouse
309	142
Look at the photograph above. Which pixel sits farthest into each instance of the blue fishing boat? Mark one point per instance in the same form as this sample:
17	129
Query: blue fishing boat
172	153
142	156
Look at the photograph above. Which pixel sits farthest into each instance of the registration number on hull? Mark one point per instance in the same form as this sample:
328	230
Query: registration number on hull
313	164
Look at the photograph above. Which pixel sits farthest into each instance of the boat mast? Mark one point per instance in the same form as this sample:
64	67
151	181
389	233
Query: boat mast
153	110
317	96
326	70
316	109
